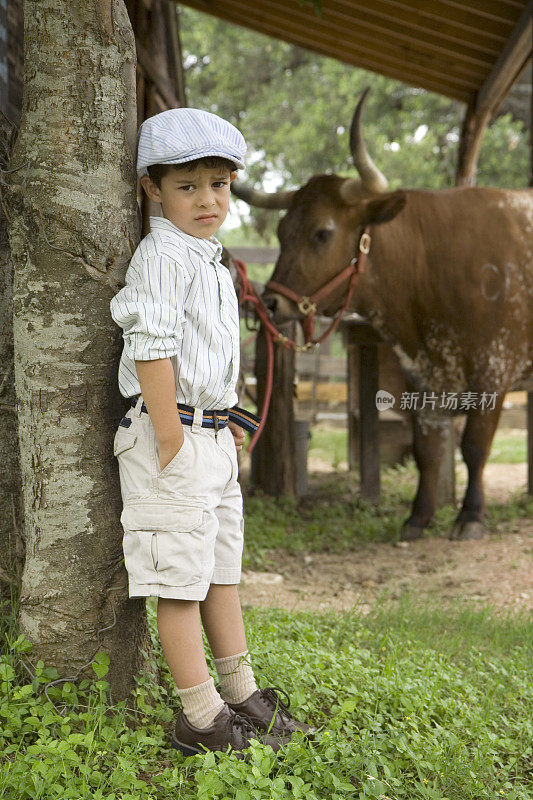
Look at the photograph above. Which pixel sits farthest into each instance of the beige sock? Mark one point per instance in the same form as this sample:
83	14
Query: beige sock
201	703
236	677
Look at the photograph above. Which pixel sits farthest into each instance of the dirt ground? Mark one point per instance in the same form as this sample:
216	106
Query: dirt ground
497	569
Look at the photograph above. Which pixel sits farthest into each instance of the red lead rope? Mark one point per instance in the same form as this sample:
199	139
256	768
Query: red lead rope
308	306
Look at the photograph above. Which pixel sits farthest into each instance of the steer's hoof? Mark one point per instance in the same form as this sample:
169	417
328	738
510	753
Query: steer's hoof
411	532
466	531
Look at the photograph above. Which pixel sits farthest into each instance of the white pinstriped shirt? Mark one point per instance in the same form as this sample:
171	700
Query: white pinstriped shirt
179	302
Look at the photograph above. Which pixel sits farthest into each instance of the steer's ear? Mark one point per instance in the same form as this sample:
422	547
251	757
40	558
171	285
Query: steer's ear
383	208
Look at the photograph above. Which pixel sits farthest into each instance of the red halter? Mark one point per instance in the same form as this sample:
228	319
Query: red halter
307	306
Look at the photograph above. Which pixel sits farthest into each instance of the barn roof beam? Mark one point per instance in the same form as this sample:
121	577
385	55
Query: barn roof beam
509	65
488	99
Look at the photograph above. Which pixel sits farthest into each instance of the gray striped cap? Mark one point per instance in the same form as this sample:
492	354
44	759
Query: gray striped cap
184	134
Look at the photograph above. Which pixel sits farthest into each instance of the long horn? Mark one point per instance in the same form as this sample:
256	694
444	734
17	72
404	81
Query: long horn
254	197
372	178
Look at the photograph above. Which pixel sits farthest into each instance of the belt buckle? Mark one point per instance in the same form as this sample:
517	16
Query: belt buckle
215	421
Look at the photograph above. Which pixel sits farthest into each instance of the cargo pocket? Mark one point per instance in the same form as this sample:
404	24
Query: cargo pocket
164	542
124	440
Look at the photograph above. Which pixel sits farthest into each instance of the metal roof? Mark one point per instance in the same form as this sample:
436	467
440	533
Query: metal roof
464	50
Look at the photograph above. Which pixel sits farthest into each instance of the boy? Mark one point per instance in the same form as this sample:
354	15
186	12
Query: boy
176	446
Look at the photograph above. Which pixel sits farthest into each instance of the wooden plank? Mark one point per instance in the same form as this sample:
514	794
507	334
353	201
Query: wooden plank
329	366
397	39
443	27
352	356
165	91
256	255
417	79
509	65
463	17
326	392
338	43
436	81
175	59
491	16
338	19
500	10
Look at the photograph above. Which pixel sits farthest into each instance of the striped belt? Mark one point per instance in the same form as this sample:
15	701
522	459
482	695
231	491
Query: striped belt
214	419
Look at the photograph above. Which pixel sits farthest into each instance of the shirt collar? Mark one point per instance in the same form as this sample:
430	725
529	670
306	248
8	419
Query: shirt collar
205	247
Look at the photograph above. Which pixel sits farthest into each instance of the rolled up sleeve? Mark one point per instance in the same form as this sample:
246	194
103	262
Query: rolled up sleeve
149	309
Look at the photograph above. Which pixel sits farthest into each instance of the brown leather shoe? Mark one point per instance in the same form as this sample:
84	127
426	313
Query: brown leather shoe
229	731
270	713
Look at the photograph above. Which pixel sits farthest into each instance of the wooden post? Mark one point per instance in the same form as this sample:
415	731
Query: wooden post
361	342
530	394
369	430
474	126
175	67
274	456
351	357
530	442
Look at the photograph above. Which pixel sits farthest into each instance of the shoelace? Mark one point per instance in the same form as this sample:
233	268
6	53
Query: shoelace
244	723
272	695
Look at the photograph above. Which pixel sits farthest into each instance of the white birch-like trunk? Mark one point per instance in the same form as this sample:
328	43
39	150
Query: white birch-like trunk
73	228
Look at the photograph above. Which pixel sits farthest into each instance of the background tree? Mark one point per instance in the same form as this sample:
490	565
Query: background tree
294	108
73	227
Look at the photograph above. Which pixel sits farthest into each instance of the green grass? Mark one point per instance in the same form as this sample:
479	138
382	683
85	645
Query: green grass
330	444
509	447
333	517
411	704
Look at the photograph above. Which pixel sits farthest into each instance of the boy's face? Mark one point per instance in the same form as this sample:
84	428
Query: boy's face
196	201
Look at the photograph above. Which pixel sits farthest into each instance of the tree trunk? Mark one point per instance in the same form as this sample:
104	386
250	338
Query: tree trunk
11	539
73	228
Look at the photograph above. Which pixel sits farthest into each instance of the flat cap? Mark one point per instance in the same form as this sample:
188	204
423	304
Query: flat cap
185	134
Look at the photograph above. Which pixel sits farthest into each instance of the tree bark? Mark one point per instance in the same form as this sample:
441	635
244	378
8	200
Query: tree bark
11	534
73	229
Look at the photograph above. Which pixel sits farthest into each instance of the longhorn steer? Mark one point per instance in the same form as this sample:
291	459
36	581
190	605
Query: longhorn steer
448	281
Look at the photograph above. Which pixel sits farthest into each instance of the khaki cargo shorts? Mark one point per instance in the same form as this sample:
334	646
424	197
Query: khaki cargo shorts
183	526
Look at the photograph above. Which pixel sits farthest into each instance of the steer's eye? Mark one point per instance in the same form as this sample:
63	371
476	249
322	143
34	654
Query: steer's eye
321	236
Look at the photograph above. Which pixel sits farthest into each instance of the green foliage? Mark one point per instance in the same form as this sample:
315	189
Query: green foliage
294	108
410	703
